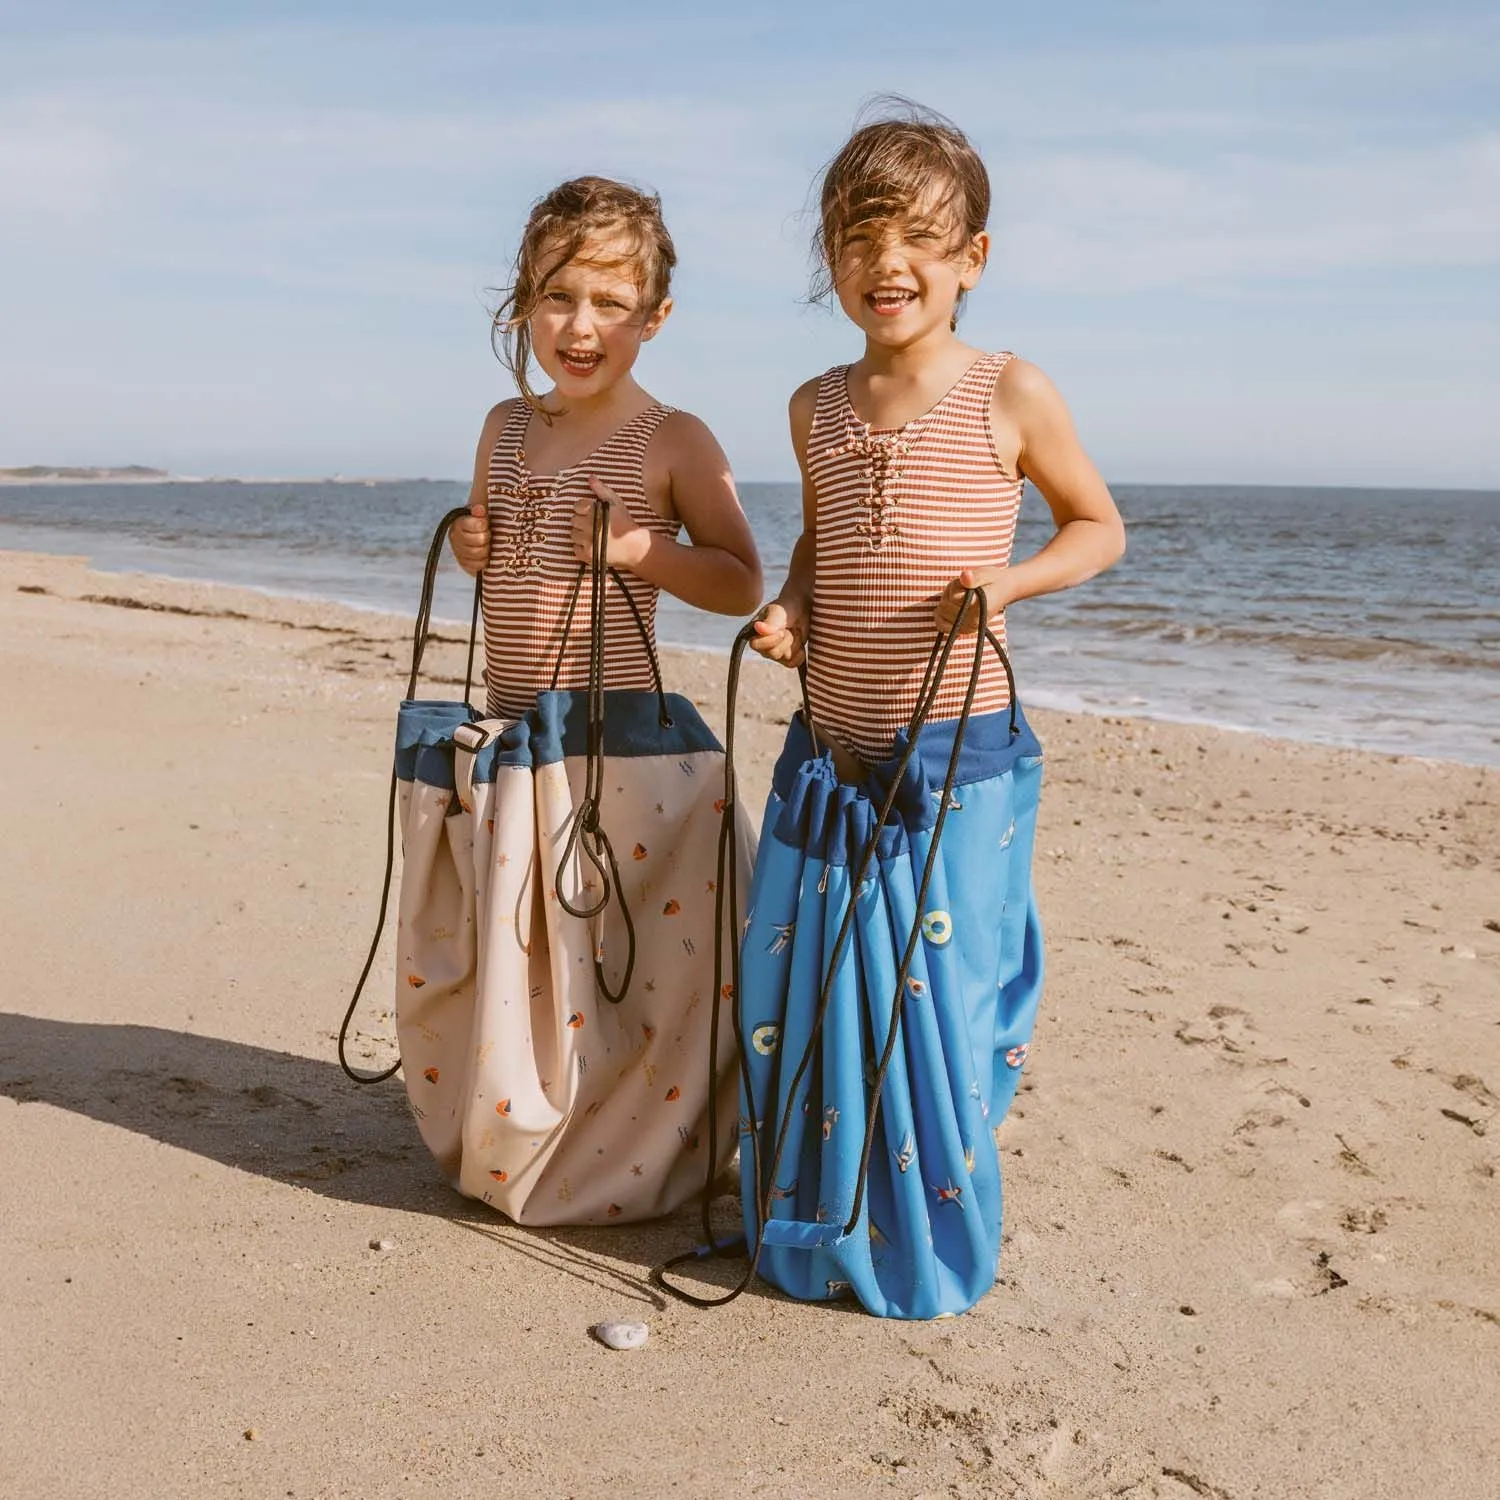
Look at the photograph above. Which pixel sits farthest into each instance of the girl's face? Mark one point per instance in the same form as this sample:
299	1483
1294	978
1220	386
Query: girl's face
590	321
900	281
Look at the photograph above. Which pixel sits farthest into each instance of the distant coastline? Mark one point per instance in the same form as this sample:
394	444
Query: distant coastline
70	474
141	474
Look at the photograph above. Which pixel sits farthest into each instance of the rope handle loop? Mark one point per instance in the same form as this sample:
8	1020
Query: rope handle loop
421	635
586	834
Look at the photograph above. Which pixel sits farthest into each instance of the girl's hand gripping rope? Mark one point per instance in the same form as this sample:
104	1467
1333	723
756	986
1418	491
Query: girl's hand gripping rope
989	581
626	544
470	538
781	633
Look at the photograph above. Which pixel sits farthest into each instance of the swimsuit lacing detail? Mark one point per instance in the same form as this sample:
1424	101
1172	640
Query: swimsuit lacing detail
883	453
533	512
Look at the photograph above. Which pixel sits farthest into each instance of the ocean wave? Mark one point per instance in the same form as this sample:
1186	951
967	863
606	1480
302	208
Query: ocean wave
1306	644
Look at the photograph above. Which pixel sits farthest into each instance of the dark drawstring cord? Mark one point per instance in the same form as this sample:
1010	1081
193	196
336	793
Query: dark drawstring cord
421	632
587	833
726	906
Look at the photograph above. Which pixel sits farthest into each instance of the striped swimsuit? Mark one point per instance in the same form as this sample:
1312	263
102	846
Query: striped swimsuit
900	513
532	569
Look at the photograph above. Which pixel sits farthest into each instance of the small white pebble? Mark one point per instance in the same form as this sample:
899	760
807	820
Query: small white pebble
621	1335
382	1244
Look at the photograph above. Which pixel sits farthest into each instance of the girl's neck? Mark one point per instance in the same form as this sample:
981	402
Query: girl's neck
623	400
915	363
891	388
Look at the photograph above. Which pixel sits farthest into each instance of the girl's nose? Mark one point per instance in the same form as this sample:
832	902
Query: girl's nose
580	317
888	257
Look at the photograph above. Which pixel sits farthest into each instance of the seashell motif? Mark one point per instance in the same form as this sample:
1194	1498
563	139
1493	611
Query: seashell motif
937	928
765	1038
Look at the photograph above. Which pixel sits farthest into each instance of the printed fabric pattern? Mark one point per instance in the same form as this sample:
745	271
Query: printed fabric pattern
535	1093
918	1236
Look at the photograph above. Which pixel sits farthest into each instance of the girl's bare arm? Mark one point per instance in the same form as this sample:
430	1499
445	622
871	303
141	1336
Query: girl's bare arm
1031	418
782	629
719	568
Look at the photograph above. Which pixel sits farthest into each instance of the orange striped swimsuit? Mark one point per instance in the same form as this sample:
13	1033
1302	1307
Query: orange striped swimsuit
532	569
900	513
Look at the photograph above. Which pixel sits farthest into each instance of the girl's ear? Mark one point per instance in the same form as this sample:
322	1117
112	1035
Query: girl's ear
653	324
973	258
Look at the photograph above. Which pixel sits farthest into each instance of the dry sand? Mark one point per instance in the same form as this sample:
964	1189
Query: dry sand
1251	1193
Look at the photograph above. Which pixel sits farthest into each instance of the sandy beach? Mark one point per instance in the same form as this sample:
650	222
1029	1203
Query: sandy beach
1252	1205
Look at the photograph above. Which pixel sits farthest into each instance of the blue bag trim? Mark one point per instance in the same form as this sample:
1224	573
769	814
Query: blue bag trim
552	731
799	1234
832	820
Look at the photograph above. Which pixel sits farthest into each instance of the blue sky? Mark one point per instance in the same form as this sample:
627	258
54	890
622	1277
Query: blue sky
1250	243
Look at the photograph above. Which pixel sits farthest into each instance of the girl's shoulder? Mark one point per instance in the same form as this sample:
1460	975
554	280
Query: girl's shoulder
804	400
831	384
1025	395
500	412
1018	380
681	438
496	419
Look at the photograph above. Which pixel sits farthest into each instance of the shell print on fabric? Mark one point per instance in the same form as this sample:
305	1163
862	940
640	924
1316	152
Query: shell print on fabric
937	928
765	1038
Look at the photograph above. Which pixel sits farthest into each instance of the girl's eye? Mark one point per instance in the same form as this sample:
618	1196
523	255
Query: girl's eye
555	297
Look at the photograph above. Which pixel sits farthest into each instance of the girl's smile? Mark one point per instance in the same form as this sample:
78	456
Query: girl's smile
890	302
580	362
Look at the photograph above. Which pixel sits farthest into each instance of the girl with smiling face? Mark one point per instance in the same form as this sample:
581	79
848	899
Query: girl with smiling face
591	286
560	882
913	457
891	968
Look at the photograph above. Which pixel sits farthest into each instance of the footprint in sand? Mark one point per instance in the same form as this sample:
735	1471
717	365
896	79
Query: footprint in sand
1226	1029
1320	1278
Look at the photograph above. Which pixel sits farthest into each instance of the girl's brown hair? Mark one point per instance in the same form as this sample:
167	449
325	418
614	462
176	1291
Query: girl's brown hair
906	161
559	226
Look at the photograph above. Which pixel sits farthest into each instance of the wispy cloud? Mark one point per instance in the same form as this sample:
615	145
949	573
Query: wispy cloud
286	206
1117	223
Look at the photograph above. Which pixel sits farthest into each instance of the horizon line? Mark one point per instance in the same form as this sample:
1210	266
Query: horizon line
63	475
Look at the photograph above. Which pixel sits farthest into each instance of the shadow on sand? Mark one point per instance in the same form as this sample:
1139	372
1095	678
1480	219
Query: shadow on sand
296	1121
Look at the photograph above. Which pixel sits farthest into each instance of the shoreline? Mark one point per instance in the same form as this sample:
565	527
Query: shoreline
1044	702
1258	1129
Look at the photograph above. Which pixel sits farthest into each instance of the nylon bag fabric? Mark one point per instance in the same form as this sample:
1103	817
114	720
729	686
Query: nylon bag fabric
888	982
